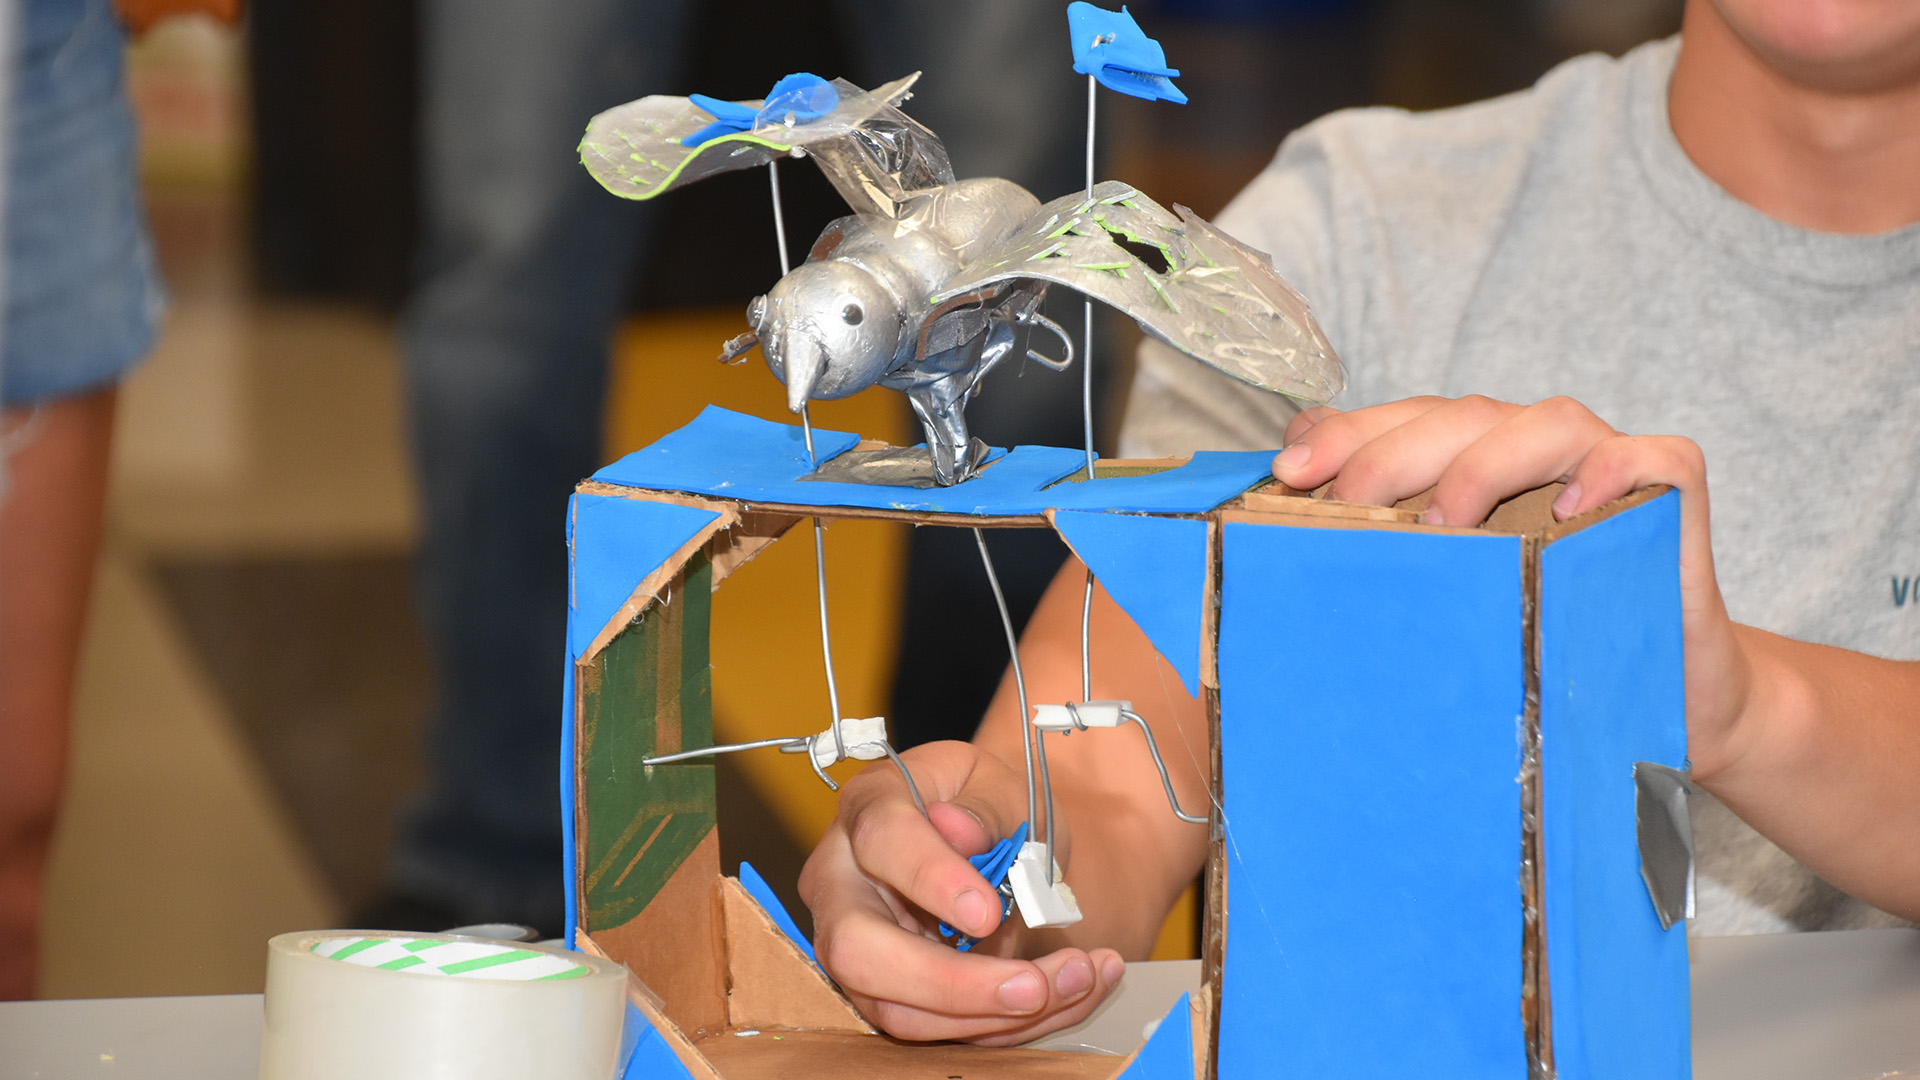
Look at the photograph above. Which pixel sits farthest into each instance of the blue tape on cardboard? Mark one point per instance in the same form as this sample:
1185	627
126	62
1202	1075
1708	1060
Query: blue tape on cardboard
1195	487
1168	1054
763	894
615	544
647	1055
734	456
568	867
1372	686
1156	570
721	447
1612	692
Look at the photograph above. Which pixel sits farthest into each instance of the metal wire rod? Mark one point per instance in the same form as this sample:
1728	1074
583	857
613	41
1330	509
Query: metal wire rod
913	789
1019	680
1166	781
819	530
730	748
1086	423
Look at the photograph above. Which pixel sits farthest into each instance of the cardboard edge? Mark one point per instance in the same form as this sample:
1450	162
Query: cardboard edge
739	544
1268	502
830	512
799	980
1601	513
1536	1006
652	587
1213	923
643	998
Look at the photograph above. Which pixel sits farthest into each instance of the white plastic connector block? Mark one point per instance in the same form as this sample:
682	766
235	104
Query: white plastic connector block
864	740
1093	714
1043	906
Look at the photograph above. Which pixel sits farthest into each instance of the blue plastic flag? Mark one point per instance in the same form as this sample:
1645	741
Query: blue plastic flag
993	865
800	98
1112	48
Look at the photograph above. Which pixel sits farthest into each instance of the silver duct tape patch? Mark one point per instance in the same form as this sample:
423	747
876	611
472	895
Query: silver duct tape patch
893	466
1666	839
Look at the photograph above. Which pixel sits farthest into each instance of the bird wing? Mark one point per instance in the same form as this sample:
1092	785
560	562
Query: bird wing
1184	281
873	153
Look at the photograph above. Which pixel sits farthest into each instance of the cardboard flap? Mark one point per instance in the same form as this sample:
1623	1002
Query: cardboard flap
770	983
1156	570
622	552
1169	1053
643	1001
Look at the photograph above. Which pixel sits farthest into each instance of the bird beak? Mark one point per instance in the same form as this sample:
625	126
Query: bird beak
806	363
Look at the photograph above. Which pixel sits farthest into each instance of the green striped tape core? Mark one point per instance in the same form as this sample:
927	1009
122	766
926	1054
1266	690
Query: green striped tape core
456	957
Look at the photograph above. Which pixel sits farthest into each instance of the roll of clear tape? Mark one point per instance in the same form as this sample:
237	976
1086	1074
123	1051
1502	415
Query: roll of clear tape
372	1005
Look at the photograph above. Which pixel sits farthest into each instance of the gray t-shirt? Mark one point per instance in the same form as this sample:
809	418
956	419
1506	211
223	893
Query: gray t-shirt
1559	241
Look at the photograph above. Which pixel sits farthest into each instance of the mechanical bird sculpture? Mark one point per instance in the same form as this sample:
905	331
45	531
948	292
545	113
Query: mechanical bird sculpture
933	281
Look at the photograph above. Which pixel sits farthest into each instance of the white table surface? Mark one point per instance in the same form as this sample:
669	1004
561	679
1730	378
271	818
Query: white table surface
1832	1006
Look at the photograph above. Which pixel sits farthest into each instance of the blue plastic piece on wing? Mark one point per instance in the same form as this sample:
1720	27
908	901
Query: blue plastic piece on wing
993	864
1168	1054
644	1054
729	118
1155	568
1612	692
615	544
801	98
1111	47
1371	690
762	893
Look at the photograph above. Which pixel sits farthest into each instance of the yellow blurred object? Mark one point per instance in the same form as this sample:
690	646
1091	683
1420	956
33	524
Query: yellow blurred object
664	373
140	15
1180	935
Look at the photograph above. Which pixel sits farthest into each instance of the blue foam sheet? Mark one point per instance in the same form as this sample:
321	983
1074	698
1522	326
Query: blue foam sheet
734	456
1156	570
1371	694
615	544
762	894
1612	692
1199	485
644	1054
1168	1054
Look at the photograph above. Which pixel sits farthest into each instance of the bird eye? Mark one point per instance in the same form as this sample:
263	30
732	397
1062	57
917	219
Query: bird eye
852	314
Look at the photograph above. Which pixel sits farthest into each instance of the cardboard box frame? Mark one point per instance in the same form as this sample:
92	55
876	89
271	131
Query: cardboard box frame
683	940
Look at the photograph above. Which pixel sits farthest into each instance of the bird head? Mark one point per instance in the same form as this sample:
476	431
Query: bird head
828	330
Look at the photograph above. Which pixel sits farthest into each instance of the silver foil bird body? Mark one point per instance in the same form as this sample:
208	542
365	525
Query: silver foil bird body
933	282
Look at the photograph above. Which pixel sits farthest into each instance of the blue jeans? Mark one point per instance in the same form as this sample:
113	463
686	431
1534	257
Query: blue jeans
82	294
506	345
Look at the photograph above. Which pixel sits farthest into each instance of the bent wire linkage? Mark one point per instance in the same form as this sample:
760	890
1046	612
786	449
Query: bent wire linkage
1032	742
1153	750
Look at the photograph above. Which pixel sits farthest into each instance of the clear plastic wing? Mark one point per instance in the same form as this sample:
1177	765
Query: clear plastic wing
1184	281
873	153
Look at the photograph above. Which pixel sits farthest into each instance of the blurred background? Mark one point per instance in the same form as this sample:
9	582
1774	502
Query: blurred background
256	682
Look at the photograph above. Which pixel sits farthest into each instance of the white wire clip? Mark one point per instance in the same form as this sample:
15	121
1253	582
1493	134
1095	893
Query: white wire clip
1081	715
1043	904
865	740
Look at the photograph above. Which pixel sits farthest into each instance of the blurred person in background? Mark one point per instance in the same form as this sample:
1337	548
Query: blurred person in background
82	302
1715	235
523	278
